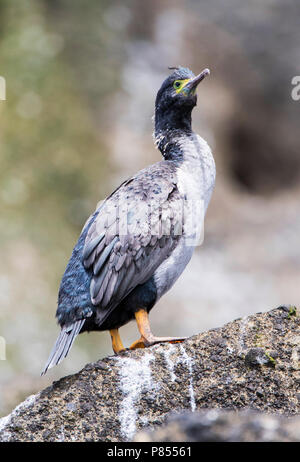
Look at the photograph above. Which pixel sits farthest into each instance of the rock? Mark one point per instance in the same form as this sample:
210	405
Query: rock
251	362
258	357
217	425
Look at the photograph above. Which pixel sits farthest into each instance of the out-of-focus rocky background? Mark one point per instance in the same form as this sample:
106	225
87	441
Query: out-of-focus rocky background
81	81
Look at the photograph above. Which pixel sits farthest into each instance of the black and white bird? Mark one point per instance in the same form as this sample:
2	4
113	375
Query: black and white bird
140	239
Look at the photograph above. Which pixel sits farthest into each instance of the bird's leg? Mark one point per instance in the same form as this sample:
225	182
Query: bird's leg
116	341
137	344
147	338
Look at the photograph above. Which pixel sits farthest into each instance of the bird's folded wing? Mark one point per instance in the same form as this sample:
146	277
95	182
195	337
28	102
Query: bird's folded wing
136	230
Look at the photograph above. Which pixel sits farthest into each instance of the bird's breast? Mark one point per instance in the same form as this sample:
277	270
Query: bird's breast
197	172
195	183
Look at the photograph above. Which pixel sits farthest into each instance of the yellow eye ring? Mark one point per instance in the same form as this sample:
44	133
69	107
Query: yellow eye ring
177	84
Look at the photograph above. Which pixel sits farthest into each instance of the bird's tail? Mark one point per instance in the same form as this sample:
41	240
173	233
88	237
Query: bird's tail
63	344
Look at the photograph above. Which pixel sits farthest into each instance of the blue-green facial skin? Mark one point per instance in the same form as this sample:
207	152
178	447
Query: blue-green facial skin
186	92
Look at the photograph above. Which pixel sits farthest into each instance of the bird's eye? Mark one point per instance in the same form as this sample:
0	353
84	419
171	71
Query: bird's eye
179	85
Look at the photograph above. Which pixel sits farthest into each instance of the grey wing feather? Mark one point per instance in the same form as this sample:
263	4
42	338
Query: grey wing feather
124	246
103	256
88	249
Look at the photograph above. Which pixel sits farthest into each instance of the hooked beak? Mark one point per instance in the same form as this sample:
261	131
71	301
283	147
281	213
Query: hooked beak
192	84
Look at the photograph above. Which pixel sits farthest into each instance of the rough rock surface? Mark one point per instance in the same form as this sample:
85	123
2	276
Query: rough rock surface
217	425
251	362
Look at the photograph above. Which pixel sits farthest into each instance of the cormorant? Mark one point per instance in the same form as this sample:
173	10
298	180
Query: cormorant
139	240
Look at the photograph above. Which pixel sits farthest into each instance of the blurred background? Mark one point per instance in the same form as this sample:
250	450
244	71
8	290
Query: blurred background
81	82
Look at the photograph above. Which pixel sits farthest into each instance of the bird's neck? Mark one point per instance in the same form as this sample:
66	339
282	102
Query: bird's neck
177	144
171	130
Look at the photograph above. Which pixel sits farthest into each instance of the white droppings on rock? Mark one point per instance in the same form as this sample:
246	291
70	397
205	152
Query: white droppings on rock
5	421
144	421
135	378
243	325
189	362
184	358
295	340
169	361
61	434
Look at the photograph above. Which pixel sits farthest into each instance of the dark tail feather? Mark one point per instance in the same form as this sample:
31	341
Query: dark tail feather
63	344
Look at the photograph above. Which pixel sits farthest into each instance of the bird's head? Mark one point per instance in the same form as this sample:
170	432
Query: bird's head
176	99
